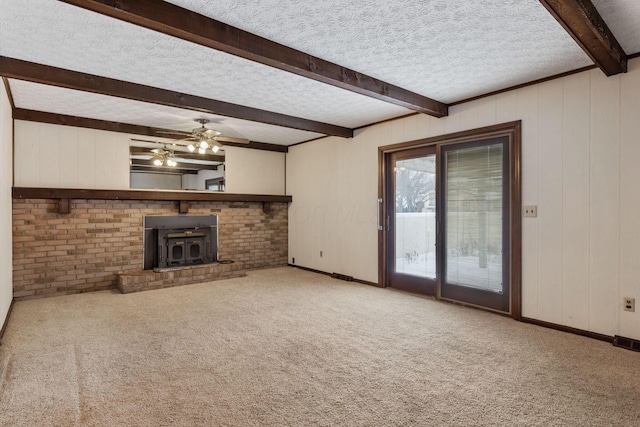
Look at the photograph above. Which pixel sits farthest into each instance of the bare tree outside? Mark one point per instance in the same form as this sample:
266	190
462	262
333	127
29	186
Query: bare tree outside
414	190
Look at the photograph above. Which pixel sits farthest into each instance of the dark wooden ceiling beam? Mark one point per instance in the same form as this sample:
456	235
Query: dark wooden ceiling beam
162	169
259	146
60	77
143	169
141	151
148	165
83	122
182	23
581	20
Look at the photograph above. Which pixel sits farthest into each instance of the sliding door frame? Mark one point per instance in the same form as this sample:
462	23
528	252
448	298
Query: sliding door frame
408	282
513	131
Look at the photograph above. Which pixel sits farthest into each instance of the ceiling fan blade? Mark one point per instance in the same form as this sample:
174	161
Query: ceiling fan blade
140	155
174	132
211	133
230	139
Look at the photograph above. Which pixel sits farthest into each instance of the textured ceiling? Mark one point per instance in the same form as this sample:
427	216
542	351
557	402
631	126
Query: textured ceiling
623	19
61	35
34	96
447	50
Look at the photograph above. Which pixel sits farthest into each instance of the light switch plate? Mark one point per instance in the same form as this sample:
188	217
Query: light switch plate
530	211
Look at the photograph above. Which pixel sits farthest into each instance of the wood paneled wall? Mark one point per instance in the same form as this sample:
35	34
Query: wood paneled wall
6	178
254	171
581	151
57	156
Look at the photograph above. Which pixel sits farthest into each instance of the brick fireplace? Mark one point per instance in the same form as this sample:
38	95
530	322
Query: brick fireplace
86	249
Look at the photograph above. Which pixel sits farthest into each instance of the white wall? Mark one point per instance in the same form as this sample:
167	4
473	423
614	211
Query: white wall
6	179
198	181
254	171
155	181
580	157
69	157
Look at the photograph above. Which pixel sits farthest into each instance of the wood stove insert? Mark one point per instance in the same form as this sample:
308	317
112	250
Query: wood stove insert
175	241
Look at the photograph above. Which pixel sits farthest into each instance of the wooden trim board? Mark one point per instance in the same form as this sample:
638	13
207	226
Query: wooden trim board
6	320
175	195
569	329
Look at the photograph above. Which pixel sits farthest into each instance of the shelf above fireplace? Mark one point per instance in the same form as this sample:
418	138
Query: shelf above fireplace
65	195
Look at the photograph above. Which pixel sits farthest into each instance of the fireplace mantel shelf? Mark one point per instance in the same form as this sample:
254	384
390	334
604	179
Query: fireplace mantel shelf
64	195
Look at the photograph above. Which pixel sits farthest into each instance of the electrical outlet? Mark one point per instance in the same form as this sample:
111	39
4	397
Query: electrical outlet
630	304
530	211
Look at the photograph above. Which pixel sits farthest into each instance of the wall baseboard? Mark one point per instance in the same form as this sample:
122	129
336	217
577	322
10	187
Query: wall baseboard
364	282
576	331
6	320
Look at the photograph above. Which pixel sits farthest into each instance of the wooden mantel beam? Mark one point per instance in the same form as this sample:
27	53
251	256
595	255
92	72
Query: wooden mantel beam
175	195
581	20
182	23
60	77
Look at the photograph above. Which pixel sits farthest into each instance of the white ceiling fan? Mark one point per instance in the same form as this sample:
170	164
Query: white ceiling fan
163	157
203	138
159	156
169	154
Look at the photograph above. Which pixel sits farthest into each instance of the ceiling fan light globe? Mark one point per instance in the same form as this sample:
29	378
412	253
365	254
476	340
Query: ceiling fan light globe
172	163
191	148
201	150
215	148
204	145
157	162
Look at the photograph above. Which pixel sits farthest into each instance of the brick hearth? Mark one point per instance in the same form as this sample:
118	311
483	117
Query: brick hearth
146	280
86	249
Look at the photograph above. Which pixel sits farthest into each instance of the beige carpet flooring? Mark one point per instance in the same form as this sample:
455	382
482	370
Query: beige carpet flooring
287	347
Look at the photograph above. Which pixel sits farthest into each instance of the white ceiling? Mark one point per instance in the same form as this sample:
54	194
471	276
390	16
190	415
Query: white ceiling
623	19
447	50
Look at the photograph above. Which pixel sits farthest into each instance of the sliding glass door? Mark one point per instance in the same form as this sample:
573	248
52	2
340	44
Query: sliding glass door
475	219
450	218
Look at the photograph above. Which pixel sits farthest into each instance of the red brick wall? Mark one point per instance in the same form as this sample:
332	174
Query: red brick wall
55	254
